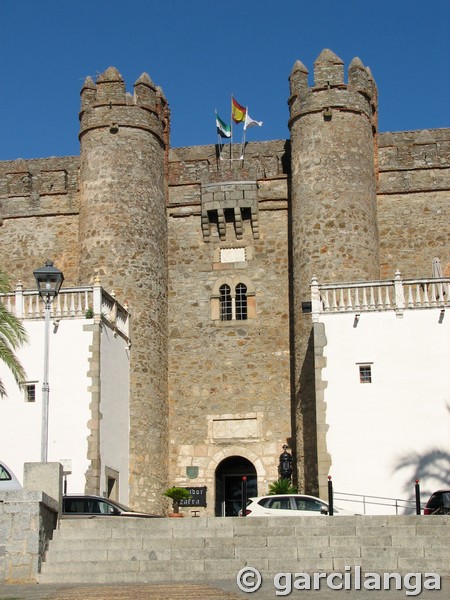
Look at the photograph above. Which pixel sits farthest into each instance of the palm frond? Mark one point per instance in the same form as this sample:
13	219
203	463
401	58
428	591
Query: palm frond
13	335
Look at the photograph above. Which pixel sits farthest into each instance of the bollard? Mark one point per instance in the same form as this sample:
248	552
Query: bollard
417	490
330	496
244	496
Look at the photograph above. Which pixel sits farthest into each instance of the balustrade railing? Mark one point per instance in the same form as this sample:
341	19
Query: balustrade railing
86	302
395	294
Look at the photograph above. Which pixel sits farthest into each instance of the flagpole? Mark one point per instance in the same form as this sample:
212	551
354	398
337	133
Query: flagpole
243	134
219	143
231	125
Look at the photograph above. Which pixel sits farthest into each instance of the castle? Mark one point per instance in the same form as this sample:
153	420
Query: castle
215	259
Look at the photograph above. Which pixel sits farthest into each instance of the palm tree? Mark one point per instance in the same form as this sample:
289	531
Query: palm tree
12	336
177	494
282	486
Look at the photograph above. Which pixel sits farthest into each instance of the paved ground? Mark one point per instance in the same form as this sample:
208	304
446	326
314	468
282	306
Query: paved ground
220	590
116	592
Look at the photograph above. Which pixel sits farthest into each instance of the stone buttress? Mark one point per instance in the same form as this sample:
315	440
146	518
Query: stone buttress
123	241
333	129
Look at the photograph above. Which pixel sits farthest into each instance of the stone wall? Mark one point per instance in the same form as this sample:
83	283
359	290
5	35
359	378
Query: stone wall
226	378
39	217
229	387
123	240
27	521
413	201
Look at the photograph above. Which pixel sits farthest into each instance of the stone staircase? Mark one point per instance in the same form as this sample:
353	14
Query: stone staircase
133	550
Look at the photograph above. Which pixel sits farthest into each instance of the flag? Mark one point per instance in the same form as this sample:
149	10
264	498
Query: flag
249	122
223	129
238	112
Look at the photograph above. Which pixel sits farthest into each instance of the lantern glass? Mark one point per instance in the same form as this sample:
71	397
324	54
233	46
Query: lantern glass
49	280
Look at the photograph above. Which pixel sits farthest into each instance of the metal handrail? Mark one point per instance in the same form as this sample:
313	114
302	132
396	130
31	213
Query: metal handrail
396	503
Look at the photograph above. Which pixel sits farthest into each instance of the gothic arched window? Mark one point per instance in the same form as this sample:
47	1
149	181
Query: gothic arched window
226	305
241	302
233	299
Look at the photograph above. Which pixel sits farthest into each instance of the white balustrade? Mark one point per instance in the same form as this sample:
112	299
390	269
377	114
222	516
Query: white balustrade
74	303
397	294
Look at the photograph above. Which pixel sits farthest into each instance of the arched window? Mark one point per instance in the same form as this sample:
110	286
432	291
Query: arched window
226	306
241	302
233	299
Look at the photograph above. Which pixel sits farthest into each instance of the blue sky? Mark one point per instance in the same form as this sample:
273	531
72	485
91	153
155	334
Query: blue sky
202	51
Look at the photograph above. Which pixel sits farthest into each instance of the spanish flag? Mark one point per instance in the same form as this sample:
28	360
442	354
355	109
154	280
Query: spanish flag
238	112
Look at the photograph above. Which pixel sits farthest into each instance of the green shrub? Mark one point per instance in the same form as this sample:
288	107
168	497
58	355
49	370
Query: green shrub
282	486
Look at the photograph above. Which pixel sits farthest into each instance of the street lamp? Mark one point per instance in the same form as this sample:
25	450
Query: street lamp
49	280
285	464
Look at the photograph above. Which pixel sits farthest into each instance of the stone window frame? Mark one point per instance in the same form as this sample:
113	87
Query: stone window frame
233	282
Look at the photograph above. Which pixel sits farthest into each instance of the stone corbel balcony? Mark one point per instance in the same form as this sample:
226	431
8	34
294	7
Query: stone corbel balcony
396	294
86	302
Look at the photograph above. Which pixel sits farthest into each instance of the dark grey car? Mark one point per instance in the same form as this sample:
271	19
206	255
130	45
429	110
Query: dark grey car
96	506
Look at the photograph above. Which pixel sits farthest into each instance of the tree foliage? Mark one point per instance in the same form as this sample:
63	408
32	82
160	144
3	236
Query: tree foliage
12	336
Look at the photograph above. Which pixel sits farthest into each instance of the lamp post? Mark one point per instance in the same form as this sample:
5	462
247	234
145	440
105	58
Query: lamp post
49	280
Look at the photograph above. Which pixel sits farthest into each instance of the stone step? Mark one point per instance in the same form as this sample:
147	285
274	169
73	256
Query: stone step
113	550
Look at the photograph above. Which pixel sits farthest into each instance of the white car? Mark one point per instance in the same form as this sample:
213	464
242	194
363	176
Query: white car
8	481
289	505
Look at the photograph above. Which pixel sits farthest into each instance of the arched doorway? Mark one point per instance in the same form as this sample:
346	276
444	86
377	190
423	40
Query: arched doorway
229	474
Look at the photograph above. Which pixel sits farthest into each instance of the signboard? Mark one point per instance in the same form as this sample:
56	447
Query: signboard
198	497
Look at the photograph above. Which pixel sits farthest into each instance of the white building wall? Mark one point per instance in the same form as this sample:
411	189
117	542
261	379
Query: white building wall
70	418
20	441
114	408
385	434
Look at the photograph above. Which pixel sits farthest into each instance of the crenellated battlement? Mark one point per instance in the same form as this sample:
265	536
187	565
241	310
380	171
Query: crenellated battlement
330	91
106	103
424	149
328	69
38	187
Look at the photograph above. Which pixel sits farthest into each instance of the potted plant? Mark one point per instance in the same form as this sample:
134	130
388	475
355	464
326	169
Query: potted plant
282	486
177	494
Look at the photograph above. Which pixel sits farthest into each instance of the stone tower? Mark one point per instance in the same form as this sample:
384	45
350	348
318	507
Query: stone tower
333	128
123	241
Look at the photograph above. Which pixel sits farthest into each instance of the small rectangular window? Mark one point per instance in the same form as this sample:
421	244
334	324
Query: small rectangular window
365	373
30	392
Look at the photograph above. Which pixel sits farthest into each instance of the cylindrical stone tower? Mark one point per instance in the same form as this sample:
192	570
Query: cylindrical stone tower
333	209
123	240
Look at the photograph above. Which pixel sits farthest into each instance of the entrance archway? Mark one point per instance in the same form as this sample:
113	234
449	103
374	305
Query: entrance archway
229	474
